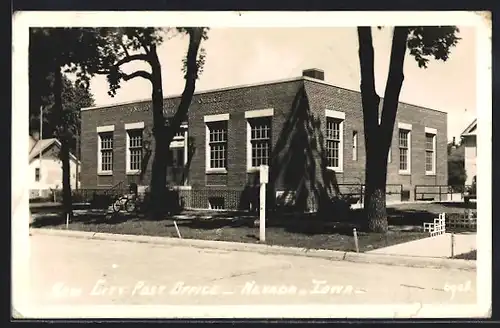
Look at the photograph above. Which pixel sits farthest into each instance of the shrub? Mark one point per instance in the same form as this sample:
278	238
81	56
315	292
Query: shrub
456	172
336	209
101	201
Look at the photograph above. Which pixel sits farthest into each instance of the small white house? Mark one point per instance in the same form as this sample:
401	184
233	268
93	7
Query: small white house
46	174
470	157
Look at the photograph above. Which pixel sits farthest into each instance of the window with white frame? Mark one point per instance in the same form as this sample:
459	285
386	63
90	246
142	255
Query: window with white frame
389	154
37	174
134	149
176	157
354	145
106	151
430	151
260	140
217	144
334	139
179	134
333	142
259	137
404	150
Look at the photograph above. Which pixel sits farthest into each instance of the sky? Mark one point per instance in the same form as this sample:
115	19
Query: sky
238	56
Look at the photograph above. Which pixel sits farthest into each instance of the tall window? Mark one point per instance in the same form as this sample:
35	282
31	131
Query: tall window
106	151
430	152
176	158
260	140
217	143
333	142
37	174
354	145
134	149
404	150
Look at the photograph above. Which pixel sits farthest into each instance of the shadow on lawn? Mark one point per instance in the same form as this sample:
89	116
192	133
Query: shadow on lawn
464	205
307	224
91	218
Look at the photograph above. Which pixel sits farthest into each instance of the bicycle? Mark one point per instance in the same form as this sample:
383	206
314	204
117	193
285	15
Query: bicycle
126	203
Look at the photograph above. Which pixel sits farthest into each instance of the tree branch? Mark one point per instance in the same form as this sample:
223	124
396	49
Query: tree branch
394	83
128	59
103	71
369	98
143	74
124	48
195	37
143	44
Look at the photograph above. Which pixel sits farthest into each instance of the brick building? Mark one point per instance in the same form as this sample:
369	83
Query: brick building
308	131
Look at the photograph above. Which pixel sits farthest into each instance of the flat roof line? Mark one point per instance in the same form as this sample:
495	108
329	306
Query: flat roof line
293	79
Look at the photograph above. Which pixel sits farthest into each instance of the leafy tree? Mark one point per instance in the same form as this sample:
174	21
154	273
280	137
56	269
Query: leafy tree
423	42
53	51
456	173
119	46
74	97
456	166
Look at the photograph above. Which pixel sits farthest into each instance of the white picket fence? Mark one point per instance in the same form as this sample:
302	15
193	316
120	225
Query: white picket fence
438	227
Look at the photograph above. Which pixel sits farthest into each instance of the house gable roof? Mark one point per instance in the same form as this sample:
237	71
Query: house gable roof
43	145
470	130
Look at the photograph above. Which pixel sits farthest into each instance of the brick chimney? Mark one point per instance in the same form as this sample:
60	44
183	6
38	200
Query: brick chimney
314	73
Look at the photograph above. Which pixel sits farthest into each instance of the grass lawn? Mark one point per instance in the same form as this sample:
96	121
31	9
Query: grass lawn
472	255
305	232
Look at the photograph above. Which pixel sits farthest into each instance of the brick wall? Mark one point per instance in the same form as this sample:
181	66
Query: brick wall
323	97
118	116
297	131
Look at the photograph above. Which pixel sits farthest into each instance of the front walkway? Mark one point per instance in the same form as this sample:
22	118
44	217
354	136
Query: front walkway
438	246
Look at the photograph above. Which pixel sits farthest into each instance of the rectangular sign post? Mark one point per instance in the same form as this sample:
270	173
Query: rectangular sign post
264	179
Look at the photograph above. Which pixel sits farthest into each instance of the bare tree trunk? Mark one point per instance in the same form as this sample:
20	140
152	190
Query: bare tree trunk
375	207
378	137
374	171
163	136
159	166
63	138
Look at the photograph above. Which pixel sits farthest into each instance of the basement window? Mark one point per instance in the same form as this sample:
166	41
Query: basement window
216	203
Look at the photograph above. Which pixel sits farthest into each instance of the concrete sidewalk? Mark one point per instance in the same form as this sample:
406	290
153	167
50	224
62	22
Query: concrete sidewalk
438	246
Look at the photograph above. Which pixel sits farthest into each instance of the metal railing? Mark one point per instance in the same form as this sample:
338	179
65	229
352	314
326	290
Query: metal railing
248	198
241	199
439	192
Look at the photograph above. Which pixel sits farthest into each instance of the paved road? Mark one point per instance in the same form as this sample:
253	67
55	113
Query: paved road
72	271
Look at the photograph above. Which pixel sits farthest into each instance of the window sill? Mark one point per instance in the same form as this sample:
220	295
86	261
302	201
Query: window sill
335	169
216	171
254	169
181	187
105	173
430	174
133	172
404	173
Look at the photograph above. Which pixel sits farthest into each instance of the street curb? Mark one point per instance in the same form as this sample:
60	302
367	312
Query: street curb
394	260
